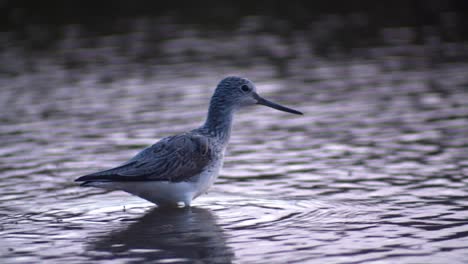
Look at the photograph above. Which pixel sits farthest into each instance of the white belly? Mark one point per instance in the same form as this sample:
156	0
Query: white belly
165	193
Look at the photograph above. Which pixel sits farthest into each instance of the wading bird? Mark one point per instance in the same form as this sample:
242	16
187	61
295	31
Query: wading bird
179	168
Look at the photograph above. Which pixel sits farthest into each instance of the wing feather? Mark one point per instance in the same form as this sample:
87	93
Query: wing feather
176	158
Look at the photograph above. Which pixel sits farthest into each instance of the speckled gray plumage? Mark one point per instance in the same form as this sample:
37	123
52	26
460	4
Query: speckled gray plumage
181	167
181	157
176	158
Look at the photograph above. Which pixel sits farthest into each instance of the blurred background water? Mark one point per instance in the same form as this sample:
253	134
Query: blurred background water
374	172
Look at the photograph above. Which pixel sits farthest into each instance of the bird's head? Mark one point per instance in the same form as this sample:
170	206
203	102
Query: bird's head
238	92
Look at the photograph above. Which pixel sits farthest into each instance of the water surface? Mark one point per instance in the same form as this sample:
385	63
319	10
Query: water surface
374	172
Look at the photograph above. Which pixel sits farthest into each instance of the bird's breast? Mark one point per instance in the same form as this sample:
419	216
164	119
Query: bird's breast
209	175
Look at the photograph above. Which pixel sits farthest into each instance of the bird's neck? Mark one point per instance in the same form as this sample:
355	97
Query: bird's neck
219	120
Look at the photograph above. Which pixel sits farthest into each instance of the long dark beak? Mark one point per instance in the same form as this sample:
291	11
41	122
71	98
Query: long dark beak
263	101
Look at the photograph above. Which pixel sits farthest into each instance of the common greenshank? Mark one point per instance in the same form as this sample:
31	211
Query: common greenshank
179	168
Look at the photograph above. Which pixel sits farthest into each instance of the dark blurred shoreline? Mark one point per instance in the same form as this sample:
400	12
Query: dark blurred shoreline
107	17
396	13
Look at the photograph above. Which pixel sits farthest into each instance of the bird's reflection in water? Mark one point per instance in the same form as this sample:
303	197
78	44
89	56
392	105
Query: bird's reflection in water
182	235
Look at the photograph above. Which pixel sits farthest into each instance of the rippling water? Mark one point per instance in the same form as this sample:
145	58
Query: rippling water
375	171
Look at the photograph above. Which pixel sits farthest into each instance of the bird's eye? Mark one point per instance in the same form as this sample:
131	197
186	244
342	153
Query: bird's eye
245	88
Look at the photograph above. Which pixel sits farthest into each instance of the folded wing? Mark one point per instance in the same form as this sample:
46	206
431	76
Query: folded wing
176	158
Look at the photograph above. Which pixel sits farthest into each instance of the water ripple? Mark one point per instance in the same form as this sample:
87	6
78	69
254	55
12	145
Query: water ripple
375	171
